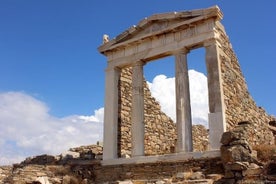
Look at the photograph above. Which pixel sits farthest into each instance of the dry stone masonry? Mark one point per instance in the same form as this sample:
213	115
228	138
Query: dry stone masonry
237	155
239	105
160	130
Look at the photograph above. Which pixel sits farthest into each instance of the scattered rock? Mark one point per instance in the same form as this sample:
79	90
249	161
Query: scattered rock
197	176
237	156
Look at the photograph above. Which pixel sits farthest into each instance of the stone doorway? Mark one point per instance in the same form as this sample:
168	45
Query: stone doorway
170	34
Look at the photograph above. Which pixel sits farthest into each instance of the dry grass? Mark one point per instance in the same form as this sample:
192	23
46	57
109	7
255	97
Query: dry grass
265	153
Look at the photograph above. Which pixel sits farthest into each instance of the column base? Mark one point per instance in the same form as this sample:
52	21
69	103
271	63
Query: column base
176	157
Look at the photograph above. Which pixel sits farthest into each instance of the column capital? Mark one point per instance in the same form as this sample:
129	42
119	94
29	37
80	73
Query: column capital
181	51
112	68
210	42
139	63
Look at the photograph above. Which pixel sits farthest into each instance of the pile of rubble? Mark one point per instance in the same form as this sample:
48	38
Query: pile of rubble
239	160
48	169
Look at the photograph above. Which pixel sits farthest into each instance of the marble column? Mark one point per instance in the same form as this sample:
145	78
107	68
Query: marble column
217	124
137	116
183	107
110	143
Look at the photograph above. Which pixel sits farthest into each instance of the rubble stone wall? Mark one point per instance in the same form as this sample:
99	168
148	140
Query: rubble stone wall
160	130
149	171
239	104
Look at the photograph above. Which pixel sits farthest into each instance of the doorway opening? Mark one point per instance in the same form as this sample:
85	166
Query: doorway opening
160	77
198	87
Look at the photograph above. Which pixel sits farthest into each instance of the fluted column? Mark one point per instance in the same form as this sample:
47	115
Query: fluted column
183	107
217	124
137	116
110	144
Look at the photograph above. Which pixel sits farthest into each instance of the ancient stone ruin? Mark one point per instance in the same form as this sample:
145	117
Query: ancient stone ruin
142	145
173	34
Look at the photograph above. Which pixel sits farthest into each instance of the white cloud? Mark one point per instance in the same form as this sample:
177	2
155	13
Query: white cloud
26	128
98	117
163	89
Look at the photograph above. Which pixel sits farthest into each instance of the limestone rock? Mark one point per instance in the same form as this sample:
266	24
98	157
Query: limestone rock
70	154
235	153
40	160
197	176
43	180
237	166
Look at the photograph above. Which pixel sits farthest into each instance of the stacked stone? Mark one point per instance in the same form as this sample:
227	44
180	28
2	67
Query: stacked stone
239	105
200	138
175	172
89	152
41	160
44	174
5	173
237	155
160	130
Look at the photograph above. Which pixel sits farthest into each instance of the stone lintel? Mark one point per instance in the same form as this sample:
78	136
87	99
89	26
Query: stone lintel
163	158
159	52
189	32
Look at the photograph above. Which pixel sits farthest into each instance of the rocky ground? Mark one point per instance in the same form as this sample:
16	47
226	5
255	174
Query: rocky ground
238	164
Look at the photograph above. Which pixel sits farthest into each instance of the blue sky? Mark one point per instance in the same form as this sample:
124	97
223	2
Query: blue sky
48	50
